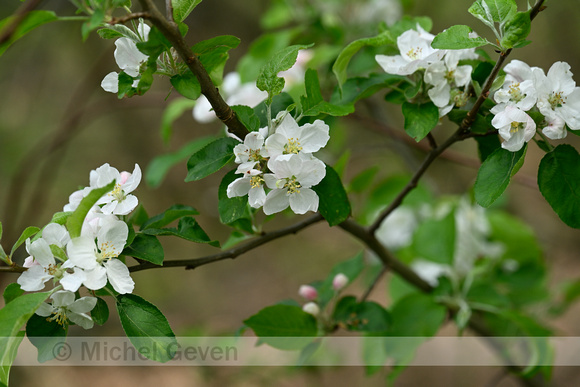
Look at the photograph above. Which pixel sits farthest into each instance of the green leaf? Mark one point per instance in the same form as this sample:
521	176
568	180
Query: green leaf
341	64
457	38
93	23
275	323
213	54
60	217
160	165
434	239
147	328
27	233
358	88
182	8
351	268
416	315
486	145
11	292
187	85
174	212
493	11
231	209
33	20
247	116
284	59
516	29
495	173
12	317
74	223
365	316
45	335
146	247
280	103
174	110
116	31
420	119
313	104
187	229
559	182
210	158
100	313
156	43
334	205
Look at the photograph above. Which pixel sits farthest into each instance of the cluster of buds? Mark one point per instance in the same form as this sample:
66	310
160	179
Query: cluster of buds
310	294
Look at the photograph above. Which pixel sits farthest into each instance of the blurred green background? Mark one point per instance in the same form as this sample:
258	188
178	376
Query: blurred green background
56	124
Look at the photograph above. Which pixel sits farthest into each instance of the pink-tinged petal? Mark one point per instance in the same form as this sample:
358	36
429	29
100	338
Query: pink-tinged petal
256	197
83	305
81	253
73	281
62	298
314	136
133	181
29	262
111	82
119	277
33	279
126	205
306	200
276	201
81	319
96	278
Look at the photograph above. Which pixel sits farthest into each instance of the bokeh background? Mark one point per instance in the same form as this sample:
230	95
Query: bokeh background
56	124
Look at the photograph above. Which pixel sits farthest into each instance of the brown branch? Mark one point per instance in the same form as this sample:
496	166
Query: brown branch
18	16
170	30
233	252
132	16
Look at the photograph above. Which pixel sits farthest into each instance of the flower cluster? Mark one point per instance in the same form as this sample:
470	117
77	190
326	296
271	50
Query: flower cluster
89	260
310	294
281	162
129	59
525	89
447	80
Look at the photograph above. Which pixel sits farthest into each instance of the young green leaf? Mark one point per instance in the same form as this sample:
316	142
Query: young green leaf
420	119
313	104
174	212
11	292
493	11
45	335
364	316
147	248
213	54
210	158
516	29
32	20
147	328
559	182
334	205
247	116
27	233
341	64
74	223
187	85
495	173
182	8
187	229
457	38
231	209
284	327
268	80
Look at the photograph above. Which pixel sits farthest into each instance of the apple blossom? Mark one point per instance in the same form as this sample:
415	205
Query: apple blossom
339	281
515	127
415	53
308	292
396	231
251	184
118	201
290	183
65	308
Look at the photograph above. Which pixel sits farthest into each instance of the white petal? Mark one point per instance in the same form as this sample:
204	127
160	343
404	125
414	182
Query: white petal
306	200
73	281
40	250
133	181
119	277
96	278
128	56
62	298
314	136
81	319
112	236
81	253
55	234
33	279
111	82
103	176
256	197
202	111
126	205
83	305
45	310
276	201
238	187
311	172
391	64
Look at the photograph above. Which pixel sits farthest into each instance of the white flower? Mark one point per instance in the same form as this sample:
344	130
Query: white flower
251	184
396	231
234	93
416	52
65	307
128	58
118	201
515	127
98	259
558	98
430	271
290	183
518	88
290	138
251	151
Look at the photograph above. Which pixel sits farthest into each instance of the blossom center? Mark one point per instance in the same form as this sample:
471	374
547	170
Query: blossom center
556	100
59	317
515	92
516	126
450	76
254	155
256	181
106	252
414	53
293	146
459	98
292	186
117	193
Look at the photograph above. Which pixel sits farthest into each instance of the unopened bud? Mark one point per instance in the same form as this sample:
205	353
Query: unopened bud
308	292
339	281
311	308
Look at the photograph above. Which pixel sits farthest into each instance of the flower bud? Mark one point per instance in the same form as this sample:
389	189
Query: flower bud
311	308
308	292
340	280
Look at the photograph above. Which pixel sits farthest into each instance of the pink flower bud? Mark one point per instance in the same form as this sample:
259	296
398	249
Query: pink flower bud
308	292
339	281
311	308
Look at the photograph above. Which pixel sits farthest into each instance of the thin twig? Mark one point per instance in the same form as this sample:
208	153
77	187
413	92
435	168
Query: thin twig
131	16
372	286
18	17
234	251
